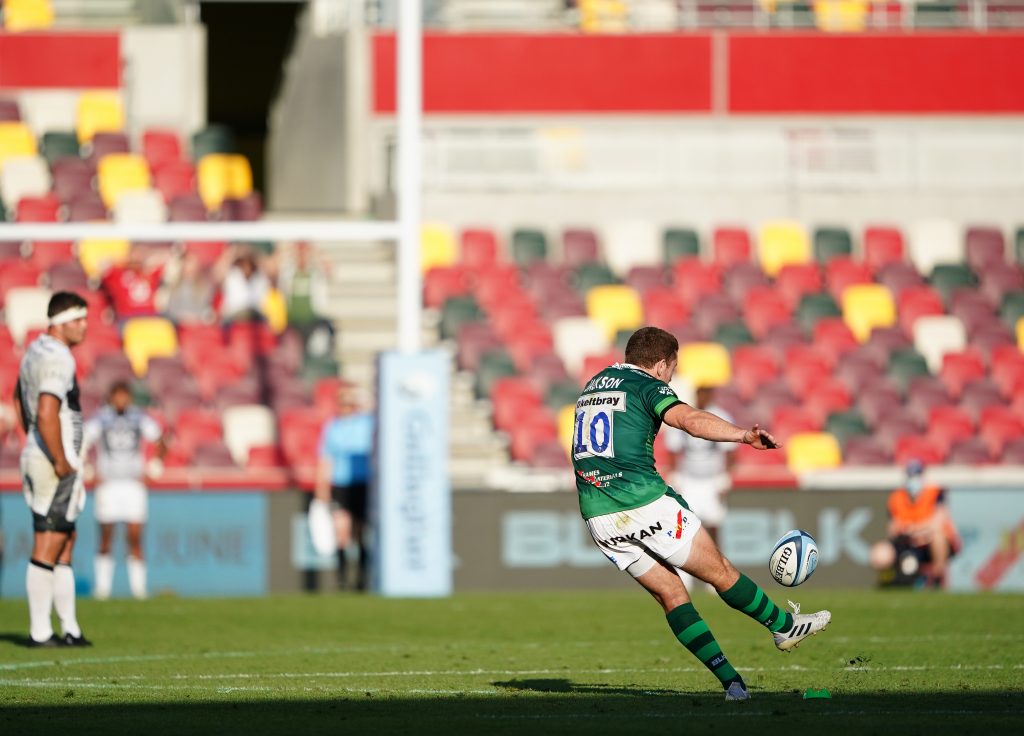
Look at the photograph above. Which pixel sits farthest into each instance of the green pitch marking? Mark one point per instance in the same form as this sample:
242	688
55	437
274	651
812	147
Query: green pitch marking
567	663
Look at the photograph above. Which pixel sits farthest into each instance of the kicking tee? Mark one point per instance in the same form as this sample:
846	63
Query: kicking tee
617	418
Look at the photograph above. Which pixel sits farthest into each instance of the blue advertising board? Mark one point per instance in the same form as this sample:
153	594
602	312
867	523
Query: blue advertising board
411	509
991	526
196	544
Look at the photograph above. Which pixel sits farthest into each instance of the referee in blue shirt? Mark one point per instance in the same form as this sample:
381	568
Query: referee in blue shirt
343	472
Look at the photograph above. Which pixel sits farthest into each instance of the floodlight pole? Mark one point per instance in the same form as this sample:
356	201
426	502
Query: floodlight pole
410	118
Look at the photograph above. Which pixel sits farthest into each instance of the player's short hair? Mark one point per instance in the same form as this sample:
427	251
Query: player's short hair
120	385
648	345
62	301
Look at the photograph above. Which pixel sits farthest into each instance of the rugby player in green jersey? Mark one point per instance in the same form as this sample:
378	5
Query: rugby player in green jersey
641	524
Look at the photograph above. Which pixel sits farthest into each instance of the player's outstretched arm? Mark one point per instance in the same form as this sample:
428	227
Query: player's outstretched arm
708	426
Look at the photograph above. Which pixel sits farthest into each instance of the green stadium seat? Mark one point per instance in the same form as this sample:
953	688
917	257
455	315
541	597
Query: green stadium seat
830	242
590	275
905	365
212	139
621	338
813	307
846	424
457	311
315	367
948	277
561	393
528	246
733	334
1012	308
494	365
679	243
59	144
1019	245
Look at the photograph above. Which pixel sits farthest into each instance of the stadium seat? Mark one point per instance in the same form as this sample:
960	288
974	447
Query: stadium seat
629	243
933	242
948	277
904	365
741	279
753	366
804	366
479	248
140	206
175	179
936	335
213	455
146	337
841	16
529	343
866	306
916	447
948	425
64	273
882	246
98	112
443	282
1008	370
265	456
1012	309
10	110
456	312
24	308
591	275
705	364
842	272
880	402
96	256
27	15
813	307
119	173
55	145
615	308
960	368
72	178
797	279
780	243
23	176
763	308
924	394
160	147
512	397
248	426
678	242
715	310
788	421
730	247
104	144
833	337
535	428
695	279
808	451
579	246
45	208
845	425
899	277
437	246
999	426
732	335
866	451
221	176
16	140
917	302
212	139
577	337
644	278
494	365
664	307
828	396
973	308
971	451
528	246
187	208
830	242
985	247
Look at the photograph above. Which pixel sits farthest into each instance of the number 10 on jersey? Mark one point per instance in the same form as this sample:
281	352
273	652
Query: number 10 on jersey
595	424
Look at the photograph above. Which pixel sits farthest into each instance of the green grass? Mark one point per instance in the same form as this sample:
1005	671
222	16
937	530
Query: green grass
565	663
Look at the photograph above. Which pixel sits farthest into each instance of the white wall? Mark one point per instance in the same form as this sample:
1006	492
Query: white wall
165	76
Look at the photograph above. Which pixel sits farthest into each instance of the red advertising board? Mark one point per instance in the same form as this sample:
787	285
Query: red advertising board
60	60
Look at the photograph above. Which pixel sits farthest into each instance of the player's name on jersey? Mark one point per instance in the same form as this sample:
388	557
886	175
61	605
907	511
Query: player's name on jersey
603	382
601	400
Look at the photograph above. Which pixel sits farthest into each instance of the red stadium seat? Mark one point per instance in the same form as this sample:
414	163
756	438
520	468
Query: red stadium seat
86	207
764	308
916	302
730	247
695	279
797	279
160	147
646	278
842	272
742	278
536	428
175	179
911	447
898	277
479	249
748	456
790	420
550	455
959	369
38	209
752	366
664	307
47	254
948	425
497	284
442	282
984	247
512	398
866	451
594	364
579	246
833	337
1008	370
266	456
999	425
882	246
195	427
17	273
530	342
187	208
827	396
972	451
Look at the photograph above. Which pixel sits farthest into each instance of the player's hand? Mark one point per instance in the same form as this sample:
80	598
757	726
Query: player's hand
63	468
154	467
759	439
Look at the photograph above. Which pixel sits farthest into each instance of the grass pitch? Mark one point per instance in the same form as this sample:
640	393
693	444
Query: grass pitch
565	663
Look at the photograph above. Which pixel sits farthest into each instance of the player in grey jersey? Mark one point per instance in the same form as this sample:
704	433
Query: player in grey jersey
47	402
118	432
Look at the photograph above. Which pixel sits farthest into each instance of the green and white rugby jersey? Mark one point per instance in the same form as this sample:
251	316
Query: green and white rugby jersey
617	418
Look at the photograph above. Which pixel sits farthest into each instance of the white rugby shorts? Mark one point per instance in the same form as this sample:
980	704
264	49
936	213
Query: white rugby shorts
49	497
635	540
121	500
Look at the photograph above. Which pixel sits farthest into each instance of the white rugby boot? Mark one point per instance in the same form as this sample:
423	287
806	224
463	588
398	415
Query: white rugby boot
737	691
804	625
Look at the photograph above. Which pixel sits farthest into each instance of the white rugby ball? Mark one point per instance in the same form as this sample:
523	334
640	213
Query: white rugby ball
794	558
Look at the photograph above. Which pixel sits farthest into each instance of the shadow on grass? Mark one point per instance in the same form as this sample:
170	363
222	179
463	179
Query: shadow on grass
554	706
17	639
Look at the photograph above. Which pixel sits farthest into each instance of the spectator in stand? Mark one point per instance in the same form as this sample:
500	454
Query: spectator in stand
132	287
244	288
921	536
303	279
190	293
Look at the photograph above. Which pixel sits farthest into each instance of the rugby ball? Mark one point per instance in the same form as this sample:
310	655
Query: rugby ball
794	558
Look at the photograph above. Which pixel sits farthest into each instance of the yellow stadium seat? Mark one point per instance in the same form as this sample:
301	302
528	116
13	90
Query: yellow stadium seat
867	306
843	16
782	243
16	139
118	173
1020	334
604	16
615	308
148	337
566	425
437	246
813	451
221	176
705	364
27	15
276	311
99	112
96	256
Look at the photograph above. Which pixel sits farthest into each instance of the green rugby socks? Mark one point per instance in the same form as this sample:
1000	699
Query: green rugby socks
694	634
746	596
